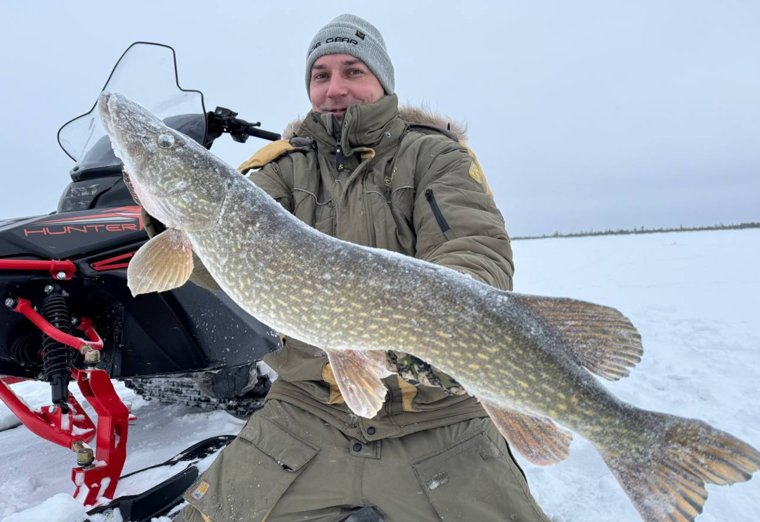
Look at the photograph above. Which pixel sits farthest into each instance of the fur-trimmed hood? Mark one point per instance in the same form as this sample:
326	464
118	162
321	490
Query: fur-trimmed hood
414	115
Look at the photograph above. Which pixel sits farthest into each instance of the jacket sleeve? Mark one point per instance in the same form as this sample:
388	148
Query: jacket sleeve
456	219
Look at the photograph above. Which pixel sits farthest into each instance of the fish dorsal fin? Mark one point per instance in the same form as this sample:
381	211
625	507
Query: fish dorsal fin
163	263
537	439
600	338
359	378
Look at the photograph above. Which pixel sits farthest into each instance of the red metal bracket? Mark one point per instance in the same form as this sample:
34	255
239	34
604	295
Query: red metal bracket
60	270
98	482
50	422
24	307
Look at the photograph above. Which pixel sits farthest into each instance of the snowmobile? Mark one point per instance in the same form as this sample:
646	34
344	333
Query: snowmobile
68	315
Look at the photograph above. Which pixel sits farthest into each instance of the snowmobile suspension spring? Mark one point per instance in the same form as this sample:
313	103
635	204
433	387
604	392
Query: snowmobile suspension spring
58	358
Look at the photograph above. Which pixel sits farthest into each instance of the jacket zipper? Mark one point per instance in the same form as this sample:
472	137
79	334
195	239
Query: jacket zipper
339	159
436	211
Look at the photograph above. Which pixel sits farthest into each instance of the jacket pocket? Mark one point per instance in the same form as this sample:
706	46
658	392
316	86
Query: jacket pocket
250	476
430	196
476	480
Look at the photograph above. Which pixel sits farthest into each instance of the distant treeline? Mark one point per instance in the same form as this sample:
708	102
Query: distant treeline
642	230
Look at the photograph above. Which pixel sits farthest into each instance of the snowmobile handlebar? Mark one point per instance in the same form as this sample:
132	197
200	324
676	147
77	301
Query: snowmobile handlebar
225	120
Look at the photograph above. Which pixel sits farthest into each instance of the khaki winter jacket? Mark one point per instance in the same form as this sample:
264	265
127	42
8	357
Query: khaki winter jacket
392	182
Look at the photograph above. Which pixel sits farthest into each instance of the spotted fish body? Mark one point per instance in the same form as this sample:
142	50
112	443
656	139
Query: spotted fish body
338	296
527	359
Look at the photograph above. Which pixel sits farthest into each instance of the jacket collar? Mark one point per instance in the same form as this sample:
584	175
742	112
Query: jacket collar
365	126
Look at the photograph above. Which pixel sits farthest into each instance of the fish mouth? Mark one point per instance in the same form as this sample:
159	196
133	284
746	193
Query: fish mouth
110	106
105	110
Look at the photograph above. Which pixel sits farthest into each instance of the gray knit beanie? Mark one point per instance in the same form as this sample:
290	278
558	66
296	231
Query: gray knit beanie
349	34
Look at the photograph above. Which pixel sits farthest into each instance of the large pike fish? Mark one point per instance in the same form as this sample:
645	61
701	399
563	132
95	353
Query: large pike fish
529	360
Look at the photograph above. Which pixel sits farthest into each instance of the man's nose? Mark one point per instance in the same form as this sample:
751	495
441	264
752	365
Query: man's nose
337	87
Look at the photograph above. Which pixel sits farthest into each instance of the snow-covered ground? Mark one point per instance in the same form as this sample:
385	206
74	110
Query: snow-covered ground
694	296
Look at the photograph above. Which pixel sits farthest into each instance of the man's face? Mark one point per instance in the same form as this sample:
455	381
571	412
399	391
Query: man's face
340	80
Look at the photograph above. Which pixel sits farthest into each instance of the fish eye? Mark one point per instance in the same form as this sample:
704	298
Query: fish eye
165	141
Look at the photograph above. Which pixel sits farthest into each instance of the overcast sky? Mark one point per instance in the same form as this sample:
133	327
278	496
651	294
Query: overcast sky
585	115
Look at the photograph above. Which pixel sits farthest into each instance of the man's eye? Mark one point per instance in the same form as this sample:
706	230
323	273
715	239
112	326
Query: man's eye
319	76
355	72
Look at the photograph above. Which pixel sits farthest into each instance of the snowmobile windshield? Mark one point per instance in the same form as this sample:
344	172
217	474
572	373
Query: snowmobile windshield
147	74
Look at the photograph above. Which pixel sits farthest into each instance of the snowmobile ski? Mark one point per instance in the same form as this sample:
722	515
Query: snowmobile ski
162	498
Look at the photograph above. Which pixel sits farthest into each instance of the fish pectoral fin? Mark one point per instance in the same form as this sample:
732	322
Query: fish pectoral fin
359	378
163	263
601	338
538	439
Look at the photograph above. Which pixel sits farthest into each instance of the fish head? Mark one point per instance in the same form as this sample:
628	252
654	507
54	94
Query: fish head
176	180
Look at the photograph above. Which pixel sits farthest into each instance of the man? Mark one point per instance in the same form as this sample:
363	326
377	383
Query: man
357	170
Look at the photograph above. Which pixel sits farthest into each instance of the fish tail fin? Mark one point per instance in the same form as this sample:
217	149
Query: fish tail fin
664	472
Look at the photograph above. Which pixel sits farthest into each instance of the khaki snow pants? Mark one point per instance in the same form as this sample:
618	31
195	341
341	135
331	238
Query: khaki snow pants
288	464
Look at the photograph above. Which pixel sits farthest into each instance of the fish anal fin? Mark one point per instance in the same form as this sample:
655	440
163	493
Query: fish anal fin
359	378
600	338
538	439
163	263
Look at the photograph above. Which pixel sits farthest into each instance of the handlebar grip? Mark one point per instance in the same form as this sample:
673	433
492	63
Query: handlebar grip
263	134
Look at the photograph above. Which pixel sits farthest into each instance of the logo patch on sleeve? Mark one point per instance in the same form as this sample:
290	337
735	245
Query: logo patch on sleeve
476	173
200	490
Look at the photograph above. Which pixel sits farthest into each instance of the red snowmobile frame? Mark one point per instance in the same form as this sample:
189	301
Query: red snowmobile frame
97	474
